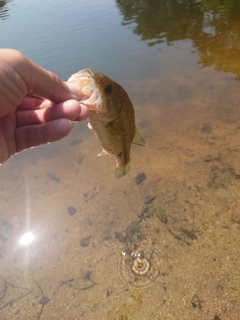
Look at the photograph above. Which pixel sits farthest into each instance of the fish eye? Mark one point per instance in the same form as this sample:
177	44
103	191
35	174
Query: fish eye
108	89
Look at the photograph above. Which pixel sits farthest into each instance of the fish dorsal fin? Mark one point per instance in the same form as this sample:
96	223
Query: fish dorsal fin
138	139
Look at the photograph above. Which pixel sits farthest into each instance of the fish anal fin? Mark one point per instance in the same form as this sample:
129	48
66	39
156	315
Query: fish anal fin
103	153
138	139
121	171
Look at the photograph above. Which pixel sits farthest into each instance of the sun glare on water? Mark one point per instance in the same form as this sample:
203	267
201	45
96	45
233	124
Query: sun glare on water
27	238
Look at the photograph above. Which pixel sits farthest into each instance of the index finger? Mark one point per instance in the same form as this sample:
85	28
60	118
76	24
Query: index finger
19	77
44	83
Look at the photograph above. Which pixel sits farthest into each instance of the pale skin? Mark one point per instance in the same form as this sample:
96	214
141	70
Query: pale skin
36	107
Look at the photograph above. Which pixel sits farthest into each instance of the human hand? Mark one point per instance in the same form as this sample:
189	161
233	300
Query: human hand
36	107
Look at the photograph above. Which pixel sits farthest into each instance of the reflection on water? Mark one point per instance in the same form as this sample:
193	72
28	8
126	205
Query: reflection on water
213	27
162	21
163	242
4	9
27	238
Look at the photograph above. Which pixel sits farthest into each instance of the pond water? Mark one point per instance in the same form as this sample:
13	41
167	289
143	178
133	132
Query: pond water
162	242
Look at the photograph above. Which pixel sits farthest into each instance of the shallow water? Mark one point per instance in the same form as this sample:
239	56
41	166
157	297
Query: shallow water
165	248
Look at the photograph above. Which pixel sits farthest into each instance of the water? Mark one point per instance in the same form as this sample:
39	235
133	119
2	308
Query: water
168	247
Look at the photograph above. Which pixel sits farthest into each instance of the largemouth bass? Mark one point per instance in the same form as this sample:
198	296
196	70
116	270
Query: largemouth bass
111	116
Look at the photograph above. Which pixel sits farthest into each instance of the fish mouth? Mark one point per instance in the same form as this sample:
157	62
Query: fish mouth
86	80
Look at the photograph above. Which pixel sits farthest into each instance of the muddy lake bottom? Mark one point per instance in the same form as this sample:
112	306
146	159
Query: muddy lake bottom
177	211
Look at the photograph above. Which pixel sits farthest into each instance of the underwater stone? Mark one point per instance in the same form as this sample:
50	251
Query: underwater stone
140	178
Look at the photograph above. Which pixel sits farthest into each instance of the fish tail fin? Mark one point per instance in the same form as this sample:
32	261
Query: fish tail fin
121	171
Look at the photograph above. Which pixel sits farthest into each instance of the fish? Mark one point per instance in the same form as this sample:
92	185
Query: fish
111	116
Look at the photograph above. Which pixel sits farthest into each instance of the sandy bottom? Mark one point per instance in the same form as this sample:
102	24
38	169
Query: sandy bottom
161	243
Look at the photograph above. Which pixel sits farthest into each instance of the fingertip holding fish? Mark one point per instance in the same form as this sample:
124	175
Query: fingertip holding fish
75	91
111	116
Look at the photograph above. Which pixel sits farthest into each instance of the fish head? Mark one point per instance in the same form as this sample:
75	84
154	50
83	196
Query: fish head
101	95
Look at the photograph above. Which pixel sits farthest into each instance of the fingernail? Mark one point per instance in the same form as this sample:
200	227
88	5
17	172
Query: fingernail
75	90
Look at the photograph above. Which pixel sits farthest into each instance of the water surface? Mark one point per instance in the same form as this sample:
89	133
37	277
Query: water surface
168	247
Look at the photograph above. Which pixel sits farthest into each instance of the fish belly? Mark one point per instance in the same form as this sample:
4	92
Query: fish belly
114	140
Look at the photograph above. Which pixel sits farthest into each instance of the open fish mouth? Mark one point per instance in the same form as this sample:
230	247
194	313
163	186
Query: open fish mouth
86	80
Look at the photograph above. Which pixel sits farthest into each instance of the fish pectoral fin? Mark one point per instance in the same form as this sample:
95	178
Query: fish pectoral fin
138	139
89	126
103	153
122	171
